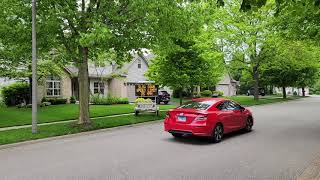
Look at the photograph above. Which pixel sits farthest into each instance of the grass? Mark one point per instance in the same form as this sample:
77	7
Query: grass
249	101
20	135
13	116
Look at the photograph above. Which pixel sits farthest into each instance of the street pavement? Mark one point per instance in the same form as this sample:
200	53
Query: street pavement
285	140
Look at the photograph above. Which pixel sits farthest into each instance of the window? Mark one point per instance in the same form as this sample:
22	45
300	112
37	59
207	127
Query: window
53	87
201	105
139	63
98	88
228	106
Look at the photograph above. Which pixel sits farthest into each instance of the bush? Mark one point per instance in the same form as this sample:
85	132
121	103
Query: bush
72	100
54	101
206	93
295	93
16	93
43	104
142	100
219	93
98	99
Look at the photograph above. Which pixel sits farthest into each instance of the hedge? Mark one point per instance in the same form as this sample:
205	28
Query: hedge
16	93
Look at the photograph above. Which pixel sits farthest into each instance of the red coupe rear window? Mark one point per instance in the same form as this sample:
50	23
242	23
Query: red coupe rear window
202	105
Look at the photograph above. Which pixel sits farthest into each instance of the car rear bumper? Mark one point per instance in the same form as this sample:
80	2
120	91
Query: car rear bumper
196	129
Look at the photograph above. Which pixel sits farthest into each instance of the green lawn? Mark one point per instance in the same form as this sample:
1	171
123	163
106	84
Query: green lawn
13	116
248	100
20	135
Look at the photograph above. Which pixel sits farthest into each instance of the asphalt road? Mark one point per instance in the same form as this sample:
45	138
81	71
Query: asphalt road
284	141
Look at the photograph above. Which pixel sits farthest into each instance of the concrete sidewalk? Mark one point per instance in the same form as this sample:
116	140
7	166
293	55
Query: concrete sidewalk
312	172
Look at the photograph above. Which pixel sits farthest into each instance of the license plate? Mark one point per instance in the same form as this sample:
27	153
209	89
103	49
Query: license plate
182	119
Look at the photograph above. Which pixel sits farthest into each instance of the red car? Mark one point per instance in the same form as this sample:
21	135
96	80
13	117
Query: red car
211	117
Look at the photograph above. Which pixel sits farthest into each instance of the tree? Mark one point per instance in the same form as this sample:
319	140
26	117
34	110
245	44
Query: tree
80	31
290	64
242	34
185	68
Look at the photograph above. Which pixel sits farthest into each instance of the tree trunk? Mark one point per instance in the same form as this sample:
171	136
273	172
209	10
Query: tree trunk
256	83
84	116
271	90
180	96
303	92
284	93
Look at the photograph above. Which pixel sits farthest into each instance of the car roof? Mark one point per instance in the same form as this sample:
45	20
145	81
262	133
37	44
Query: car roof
208	99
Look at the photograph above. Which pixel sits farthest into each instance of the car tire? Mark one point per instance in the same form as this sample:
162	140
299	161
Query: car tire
166	102
217	133
249	124
176	135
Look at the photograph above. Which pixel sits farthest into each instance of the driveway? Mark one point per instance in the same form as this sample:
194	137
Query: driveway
286	138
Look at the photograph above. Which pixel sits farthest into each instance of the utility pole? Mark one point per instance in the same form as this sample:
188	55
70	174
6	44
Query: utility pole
34	68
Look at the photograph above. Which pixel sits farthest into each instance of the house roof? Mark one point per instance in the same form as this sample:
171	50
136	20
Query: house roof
96	72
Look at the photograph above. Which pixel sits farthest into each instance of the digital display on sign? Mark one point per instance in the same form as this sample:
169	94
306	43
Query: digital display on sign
145	90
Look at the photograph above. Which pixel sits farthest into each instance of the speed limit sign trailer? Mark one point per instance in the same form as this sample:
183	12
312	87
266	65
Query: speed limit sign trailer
146	90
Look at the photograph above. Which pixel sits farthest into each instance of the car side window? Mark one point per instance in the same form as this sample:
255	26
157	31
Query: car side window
234	105
224	106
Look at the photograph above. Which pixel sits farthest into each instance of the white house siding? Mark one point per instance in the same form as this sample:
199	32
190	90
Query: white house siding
291	90
117	87
226	86
6	81
135	74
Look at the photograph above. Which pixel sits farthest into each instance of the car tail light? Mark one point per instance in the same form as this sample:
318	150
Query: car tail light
201	118
168	115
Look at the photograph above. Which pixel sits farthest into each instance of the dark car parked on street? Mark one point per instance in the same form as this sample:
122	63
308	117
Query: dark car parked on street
251	92
163	96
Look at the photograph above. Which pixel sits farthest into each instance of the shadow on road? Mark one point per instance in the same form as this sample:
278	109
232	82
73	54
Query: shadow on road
194	140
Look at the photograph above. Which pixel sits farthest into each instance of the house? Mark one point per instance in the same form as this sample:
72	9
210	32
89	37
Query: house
228	85
292	91
111	79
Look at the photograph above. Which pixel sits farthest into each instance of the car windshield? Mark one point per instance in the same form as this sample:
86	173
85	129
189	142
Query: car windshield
199	105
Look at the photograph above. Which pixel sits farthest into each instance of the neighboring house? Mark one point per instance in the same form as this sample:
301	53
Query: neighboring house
228	85
6	81
291	90
112	79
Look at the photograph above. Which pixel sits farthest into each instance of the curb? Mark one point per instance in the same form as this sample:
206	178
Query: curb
312	172
29	142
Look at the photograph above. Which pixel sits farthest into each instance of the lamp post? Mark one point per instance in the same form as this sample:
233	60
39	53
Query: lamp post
34	68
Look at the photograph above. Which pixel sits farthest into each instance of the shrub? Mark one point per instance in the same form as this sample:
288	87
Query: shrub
43	104
142	100
99	99
72	100
206	93
196	95
16	93
219	93
54	101
295	93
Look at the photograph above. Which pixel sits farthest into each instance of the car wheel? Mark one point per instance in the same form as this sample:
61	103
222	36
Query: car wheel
166	102
249	124
217	133
176	135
